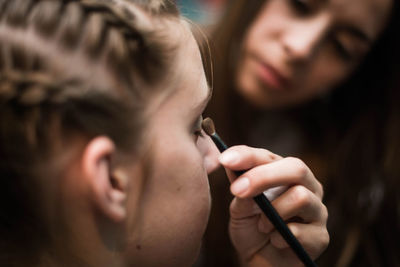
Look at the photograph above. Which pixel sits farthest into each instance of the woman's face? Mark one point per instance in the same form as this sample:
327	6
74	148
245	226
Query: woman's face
175	202
296	50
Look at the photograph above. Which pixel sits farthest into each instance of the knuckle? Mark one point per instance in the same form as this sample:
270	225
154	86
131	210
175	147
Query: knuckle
265	155
241	147
325	239
301	196
320	189
260	150
275	156
325	213
299	168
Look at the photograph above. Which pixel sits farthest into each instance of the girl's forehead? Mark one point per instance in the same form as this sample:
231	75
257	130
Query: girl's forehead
185	74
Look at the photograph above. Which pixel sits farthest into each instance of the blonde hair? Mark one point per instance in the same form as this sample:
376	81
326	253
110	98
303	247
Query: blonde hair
69	68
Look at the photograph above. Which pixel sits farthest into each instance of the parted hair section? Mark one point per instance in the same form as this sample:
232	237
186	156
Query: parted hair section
69	69
56	52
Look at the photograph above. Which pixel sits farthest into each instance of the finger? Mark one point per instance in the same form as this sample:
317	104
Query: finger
297	204
287	171
231	175
245	157
244	208
314	238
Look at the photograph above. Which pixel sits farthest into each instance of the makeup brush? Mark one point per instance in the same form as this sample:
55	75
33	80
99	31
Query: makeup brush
263	202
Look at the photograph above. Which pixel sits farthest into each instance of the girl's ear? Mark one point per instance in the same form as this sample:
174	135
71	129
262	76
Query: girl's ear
107	188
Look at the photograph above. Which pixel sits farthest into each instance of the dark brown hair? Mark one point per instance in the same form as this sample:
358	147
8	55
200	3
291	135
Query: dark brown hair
354	132
69	69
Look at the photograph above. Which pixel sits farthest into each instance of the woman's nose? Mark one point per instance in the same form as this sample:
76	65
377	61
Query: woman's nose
303	38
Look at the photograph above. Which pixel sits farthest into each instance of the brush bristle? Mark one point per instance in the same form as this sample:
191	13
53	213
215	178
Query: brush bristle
208	126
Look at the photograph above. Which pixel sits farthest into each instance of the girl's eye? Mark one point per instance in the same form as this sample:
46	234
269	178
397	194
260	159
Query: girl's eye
197	129
199	133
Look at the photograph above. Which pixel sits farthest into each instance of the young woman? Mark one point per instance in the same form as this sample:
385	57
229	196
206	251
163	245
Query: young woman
103	160
314	79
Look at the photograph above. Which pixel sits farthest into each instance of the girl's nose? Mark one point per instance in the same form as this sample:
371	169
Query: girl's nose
304	37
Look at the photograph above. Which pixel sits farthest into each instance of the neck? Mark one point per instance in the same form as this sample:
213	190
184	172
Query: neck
93	242
82	238
80	251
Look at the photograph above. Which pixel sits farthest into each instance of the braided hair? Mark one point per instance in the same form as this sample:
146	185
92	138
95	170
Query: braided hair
69	68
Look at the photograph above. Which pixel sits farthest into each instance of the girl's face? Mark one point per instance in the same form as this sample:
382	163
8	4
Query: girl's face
175	203
296	50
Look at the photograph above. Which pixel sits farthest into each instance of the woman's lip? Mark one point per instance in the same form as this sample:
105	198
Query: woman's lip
269	75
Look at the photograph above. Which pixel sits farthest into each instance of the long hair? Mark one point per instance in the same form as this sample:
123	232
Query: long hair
354	131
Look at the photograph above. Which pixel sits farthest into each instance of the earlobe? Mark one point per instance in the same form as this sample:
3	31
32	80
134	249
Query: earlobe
107	190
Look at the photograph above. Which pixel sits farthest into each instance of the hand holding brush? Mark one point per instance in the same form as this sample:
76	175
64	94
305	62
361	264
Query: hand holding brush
297	220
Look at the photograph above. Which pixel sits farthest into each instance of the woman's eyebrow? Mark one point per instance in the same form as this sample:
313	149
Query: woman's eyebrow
359	34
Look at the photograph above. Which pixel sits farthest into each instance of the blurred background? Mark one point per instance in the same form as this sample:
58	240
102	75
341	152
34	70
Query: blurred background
204	12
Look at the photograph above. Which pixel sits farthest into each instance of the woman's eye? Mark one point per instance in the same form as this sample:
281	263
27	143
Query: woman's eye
342	50
302	7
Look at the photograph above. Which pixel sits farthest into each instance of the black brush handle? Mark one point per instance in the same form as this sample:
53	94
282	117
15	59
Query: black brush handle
271	213
218	142
280	225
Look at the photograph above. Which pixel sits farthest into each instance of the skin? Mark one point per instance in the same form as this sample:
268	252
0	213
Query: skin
253	236
150	207
123	215
175	202
104	209
296	50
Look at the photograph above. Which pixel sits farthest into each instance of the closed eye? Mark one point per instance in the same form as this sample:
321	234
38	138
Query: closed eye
197	129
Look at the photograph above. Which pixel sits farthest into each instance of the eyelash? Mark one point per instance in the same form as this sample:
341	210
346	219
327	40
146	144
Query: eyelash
197	129
199	133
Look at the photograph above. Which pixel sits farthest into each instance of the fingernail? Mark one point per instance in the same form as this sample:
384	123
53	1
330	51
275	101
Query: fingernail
229	157
240	186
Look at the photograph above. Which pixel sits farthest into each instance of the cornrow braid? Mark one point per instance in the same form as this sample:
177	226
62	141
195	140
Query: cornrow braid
98	27
115	33
69	68
30	89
